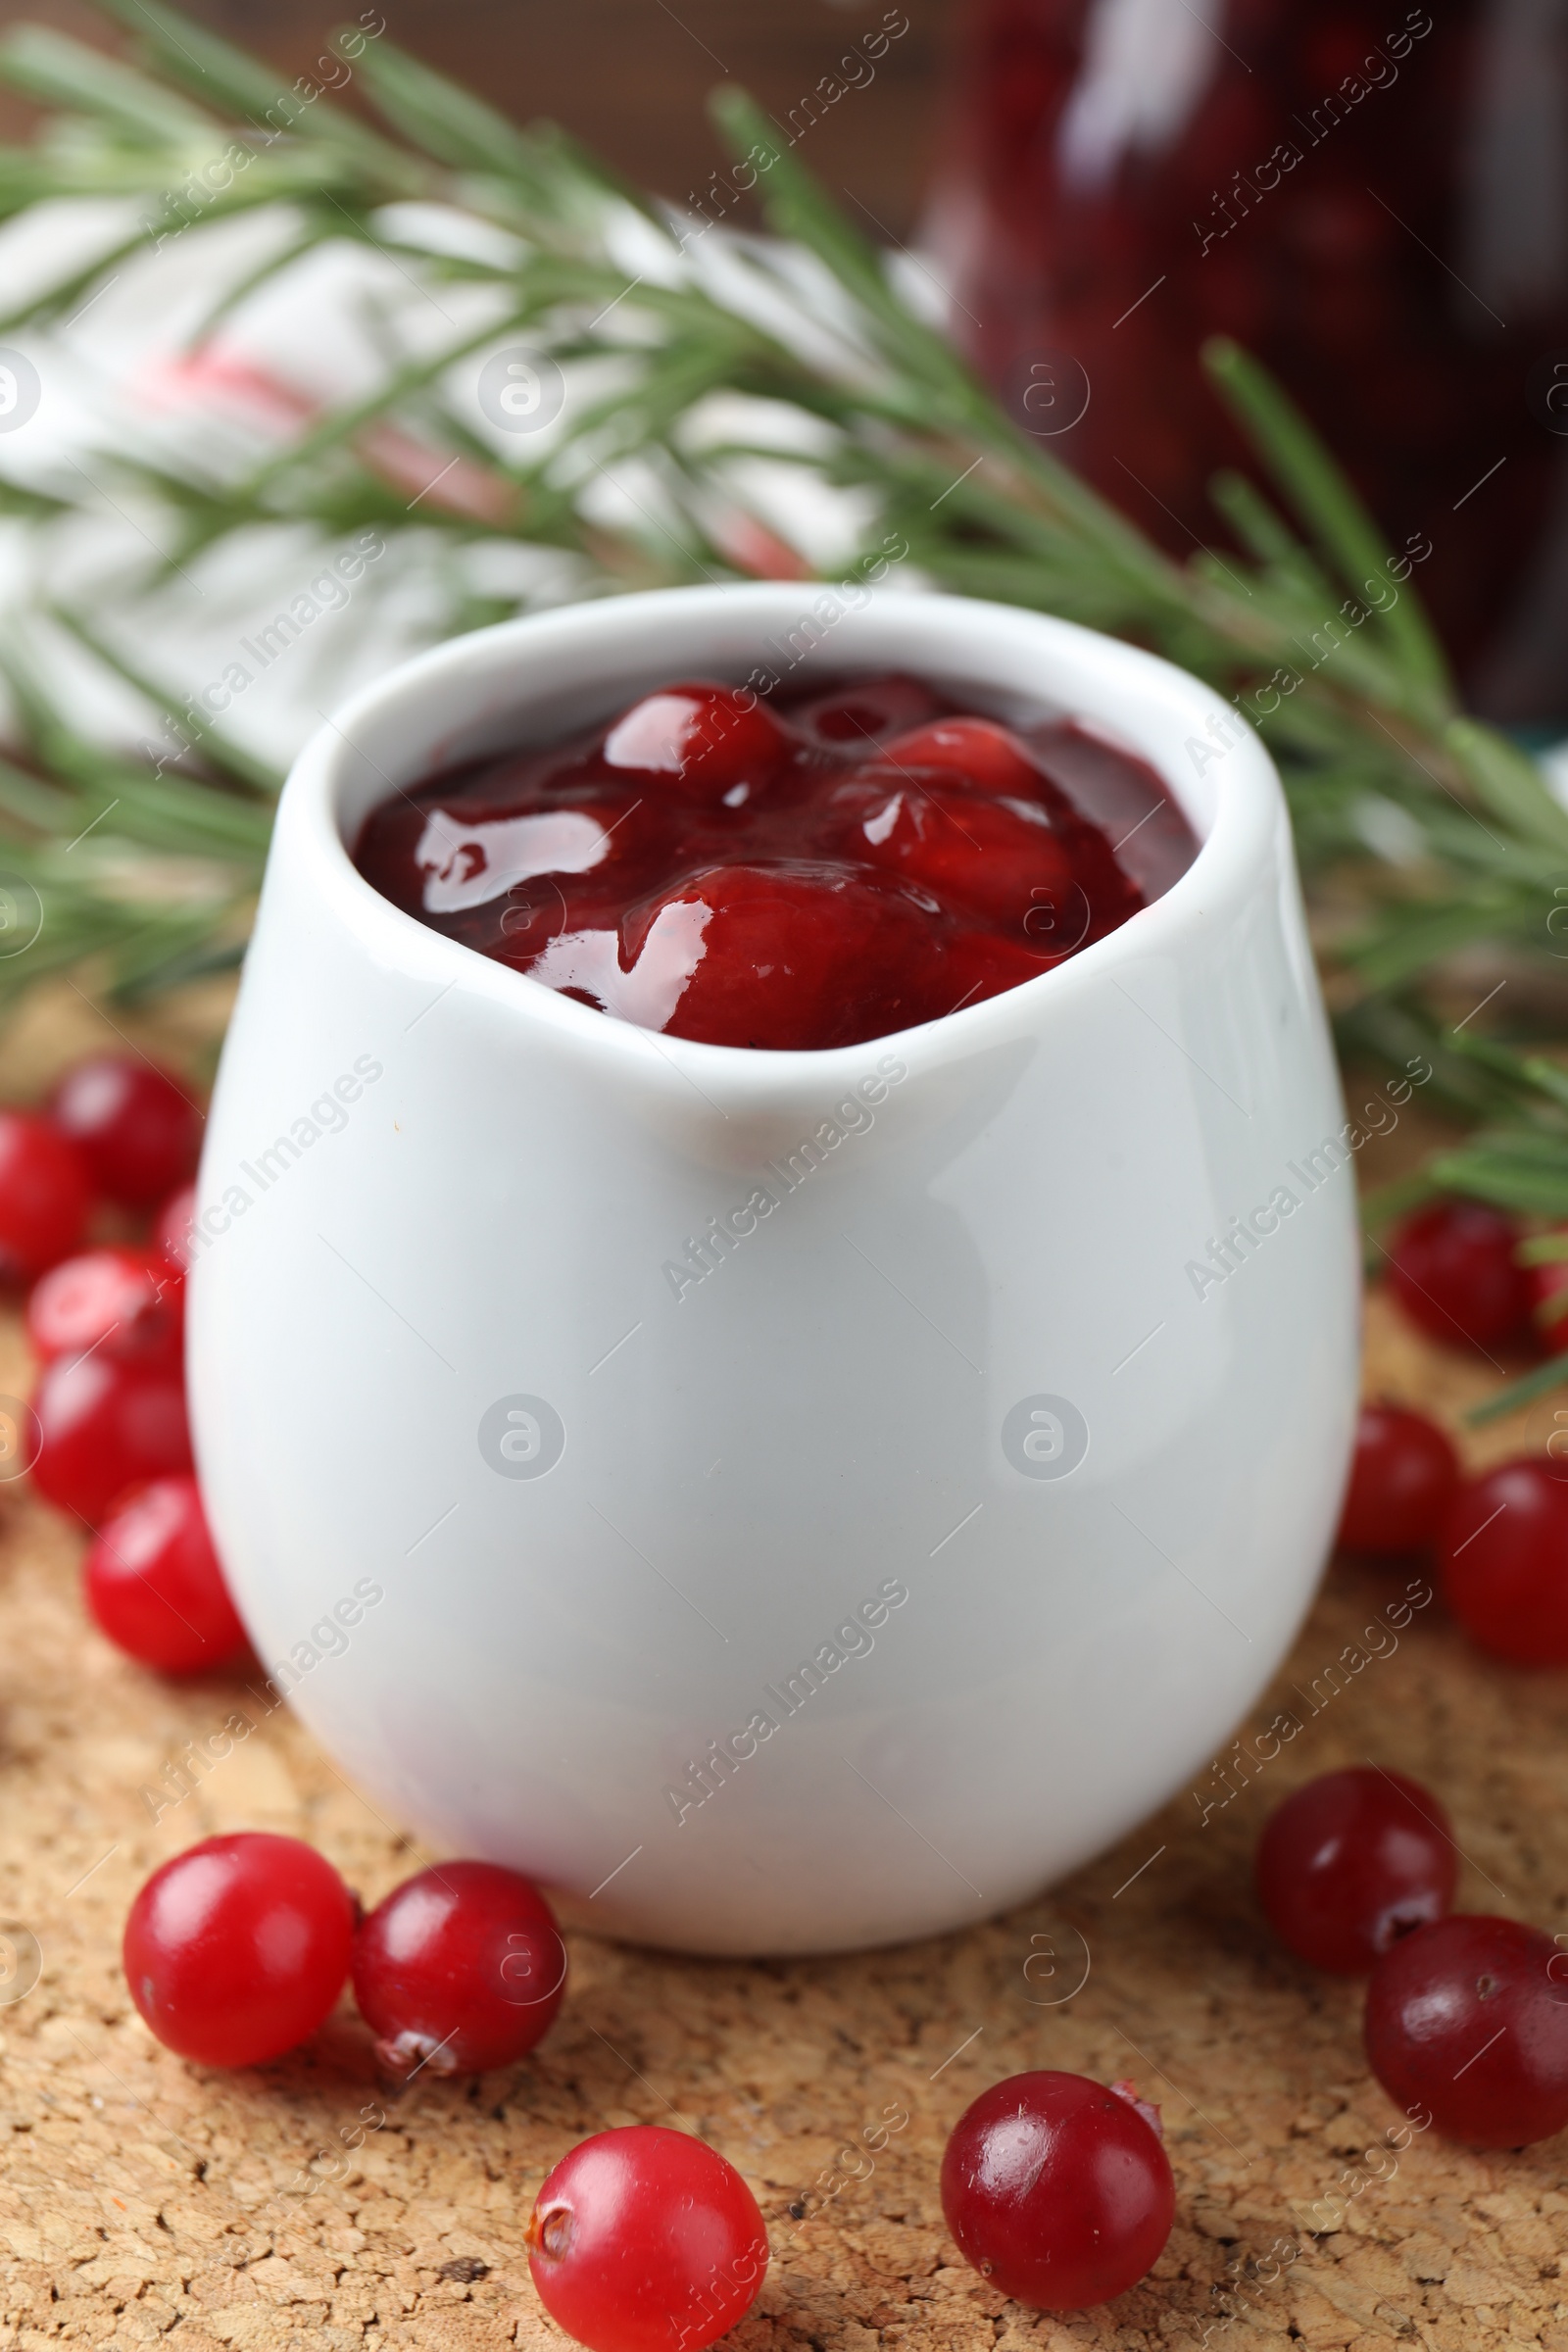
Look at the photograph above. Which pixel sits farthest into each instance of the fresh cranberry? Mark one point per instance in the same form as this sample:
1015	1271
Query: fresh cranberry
1351	1863
1059	2190
1403	1474
44	1195
715	744
173	1227
643	2238
155	1585
128	1302
1468	2021
134	1125
1451	1267
462	1968
237	1950
1548	1296
1504	1559
106	1425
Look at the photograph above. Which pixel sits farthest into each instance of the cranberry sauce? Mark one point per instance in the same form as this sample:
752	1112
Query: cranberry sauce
807	874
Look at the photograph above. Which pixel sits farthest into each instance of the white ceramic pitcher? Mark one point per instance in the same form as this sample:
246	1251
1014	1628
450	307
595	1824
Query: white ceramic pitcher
785	1501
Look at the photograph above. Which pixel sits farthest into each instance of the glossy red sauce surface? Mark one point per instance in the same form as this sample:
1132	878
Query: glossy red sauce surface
800	873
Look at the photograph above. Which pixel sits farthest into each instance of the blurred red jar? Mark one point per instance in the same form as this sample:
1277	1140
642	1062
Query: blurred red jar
1364	193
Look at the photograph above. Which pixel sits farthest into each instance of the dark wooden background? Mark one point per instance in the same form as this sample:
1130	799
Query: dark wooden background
631	76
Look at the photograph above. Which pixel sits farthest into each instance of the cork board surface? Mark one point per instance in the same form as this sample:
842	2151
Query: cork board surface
292	2206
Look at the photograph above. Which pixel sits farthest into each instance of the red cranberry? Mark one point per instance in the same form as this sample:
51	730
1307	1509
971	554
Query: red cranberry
985	754
1548	1296
961	847
104	1426
1466	2021
865	712
718	745
1451	1268
1351	1863
173	1227
980	965
1057	2190
786	956
1403	1474
44	1195
462	1968
155	1585
1504	1559
125	1302
644	2238
237	1950
134	1125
